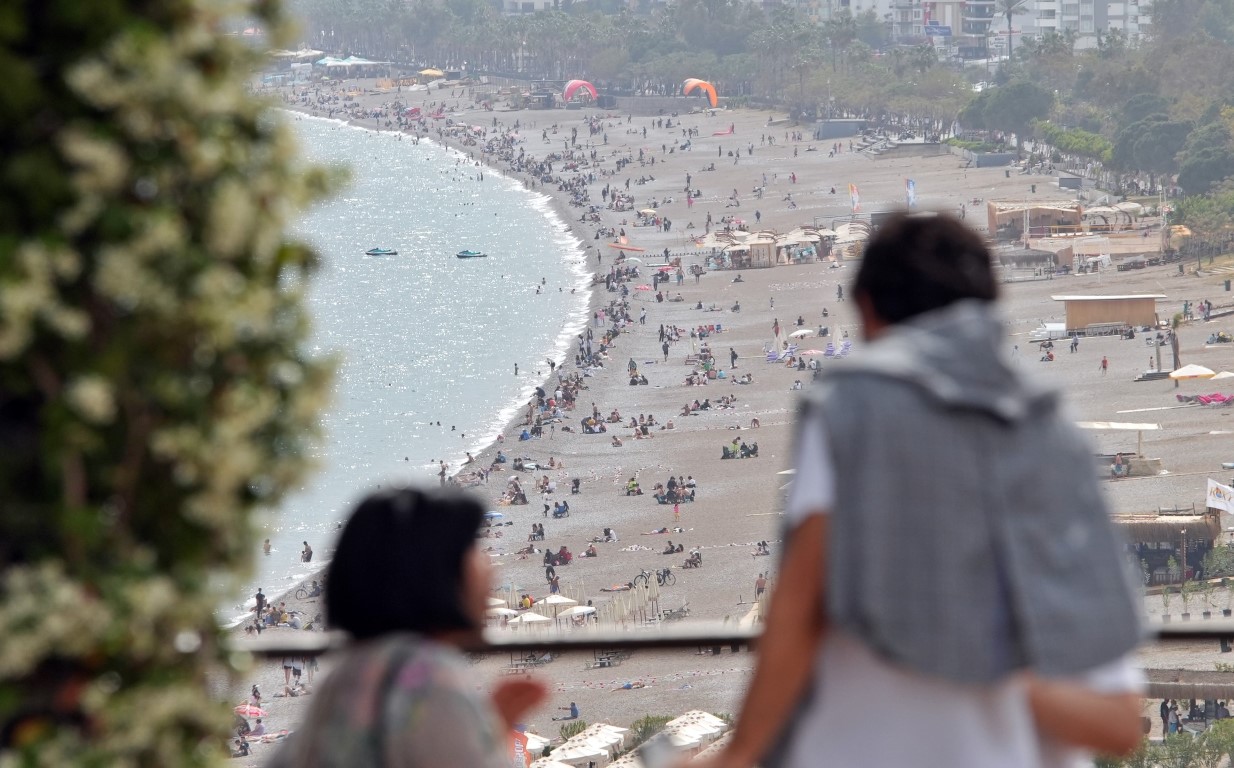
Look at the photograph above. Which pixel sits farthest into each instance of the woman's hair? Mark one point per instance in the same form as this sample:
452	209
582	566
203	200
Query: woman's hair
398	566
918	262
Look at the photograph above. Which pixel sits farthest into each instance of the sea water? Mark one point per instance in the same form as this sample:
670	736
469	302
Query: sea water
422	337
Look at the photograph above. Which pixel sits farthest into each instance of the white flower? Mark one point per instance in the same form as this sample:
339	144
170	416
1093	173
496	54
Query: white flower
92	398
102	165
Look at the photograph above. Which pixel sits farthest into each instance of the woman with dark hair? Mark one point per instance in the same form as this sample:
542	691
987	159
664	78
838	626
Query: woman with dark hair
408	583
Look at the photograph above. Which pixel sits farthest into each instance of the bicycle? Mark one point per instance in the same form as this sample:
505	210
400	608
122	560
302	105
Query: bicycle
664	577
304	593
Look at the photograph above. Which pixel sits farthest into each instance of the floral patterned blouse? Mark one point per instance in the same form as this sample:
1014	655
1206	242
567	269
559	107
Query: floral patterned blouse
397	702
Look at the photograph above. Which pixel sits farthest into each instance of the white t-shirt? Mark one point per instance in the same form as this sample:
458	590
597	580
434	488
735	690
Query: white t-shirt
866	711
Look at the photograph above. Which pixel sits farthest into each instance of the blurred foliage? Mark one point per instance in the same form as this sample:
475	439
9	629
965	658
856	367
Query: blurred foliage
645	727
153	388
571	729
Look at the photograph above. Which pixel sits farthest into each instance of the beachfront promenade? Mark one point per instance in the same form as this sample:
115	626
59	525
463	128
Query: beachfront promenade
737	502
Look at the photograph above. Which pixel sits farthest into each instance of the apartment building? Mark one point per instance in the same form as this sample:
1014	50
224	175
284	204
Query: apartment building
1085	18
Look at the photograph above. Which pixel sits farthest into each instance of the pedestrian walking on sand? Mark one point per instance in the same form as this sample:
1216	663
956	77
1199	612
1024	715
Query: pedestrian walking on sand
760	586
664	347
1105	364
732	358
676	512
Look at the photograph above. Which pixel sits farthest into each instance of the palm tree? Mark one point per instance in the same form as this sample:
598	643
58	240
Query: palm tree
1009	8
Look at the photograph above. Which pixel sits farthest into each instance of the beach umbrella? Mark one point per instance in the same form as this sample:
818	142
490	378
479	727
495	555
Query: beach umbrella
557	601
248	710
681	740
648	211
572	752
578	610
496	602
493	515
1222	375
529	618
810	351
430	72
1192	371
802	333
634	258
507	612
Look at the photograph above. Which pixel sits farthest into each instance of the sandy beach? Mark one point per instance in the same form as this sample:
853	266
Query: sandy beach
738	501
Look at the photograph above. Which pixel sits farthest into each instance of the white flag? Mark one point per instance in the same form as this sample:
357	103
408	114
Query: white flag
1220	496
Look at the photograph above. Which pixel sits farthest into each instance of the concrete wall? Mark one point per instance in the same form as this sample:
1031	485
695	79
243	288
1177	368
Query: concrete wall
914	150
837	129
983	159
660	105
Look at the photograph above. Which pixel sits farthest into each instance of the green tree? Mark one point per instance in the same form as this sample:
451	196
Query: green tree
1141	106
154	387
1158	143
1014	107
870	29
1219	561
840	33
1202	171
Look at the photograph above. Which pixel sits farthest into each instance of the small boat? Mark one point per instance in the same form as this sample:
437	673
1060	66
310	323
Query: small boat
470	255
381	252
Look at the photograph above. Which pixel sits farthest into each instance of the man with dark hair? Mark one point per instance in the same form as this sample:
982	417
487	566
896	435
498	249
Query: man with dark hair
949	562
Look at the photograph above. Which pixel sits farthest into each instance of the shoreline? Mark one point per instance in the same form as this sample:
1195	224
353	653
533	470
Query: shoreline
739	501
558	216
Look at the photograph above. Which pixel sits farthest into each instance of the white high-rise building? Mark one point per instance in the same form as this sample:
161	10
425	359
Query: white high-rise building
1086	18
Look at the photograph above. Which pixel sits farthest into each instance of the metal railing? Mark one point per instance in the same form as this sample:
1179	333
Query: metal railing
689	635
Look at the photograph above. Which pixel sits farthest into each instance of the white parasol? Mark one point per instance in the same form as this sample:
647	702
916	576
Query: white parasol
803	333
529	618
1192	371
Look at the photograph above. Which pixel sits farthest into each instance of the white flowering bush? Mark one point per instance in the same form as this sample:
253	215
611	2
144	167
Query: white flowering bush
153	384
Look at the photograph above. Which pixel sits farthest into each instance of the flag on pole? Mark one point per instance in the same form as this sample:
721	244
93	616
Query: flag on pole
910	192
855	196
1220	496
